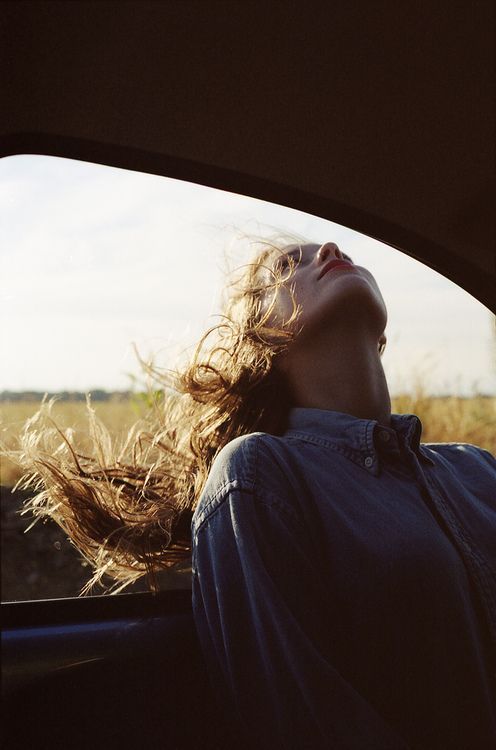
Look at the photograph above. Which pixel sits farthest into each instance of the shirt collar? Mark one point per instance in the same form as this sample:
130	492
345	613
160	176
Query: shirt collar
361	440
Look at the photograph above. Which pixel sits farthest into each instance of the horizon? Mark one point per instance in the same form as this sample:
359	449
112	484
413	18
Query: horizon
103	394
99	261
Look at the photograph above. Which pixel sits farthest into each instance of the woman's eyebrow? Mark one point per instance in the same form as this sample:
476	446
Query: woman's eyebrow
293	254
297	254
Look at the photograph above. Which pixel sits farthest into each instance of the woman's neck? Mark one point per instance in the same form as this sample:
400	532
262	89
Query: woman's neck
348	378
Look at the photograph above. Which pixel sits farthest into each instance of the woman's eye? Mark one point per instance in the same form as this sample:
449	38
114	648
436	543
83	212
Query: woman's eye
291	262
286	263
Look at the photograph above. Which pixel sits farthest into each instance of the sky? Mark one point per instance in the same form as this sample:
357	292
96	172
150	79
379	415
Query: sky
97	262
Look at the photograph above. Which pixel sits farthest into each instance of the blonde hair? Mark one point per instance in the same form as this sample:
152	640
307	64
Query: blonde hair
128	508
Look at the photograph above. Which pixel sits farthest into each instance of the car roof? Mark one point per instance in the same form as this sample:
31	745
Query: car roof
378	116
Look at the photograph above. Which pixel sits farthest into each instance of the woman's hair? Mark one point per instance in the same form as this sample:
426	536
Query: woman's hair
128	507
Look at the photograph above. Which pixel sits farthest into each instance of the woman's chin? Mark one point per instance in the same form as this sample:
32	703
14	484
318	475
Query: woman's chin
354	297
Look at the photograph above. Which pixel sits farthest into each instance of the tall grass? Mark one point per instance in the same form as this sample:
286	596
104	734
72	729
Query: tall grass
444	419
117	415
452	418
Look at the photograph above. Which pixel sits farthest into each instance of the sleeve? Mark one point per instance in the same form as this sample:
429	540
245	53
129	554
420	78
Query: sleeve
257	599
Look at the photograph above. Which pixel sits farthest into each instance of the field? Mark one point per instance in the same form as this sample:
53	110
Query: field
43	564
471	420
117	415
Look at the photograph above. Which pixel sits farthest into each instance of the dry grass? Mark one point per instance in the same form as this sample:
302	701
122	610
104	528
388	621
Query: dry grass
453	419
118	416
469	420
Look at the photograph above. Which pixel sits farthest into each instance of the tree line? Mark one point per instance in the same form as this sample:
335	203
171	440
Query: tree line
98	394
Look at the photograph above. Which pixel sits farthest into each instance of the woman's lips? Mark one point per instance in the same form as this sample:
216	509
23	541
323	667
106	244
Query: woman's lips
336	263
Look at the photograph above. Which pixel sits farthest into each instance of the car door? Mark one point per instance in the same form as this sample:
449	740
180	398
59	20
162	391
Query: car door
379	117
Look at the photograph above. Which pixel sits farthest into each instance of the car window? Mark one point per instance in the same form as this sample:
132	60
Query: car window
99	264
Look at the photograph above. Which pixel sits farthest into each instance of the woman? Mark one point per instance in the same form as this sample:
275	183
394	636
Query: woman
344	575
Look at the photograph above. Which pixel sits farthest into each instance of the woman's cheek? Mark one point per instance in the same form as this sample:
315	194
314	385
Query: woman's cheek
280	308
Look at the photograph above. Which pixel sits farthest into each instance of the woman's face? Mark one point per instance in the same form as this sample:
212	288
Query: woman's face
325	285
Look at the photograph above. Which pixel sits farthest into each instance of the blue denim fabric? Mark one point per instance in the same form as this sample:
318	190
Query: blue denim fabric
344	586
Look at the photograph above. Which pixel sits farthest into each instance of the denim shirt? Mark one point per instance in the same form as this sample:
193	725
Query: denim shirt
344	586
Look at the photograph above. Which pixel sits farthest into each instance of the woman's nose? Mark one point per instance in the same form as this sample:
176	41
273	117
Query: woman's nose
328	250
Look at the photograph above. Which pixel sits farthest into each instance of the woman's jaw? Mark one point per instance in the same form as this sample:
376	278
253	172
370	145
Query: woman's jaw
333	361
332	295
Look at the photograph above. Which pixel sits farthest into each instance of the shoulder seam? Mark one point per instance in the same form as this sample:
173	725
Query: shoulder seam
268	499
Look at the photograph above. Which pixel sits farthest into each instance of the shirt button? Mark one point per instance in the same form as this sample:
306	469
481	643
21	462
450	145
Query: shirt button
369	461
384	436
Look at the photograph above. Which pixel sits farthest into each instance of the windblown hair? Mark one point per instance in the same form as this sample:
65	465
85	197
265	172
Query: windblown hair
127	507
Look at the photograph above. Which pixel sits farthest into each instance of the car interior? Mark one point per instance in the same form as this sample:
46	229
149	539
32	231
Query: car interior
378	116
